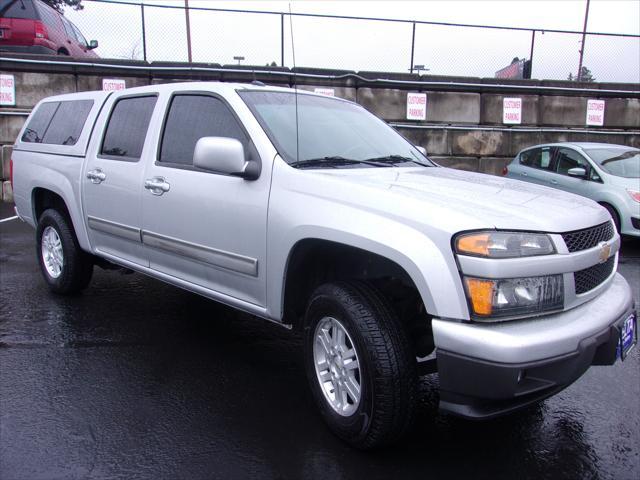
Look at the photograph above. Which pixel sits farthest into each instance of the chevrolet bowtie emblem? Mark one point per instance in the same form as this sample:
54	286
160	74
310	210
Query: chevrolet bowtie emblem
605	252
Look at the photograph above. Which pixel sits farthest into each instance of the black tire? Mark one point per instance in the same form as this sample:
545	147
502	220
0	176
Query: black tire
387	373
77	266
614	215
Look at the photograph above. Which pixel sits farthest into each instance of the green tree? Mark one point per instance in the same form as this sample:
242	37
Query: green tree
586	76
60	4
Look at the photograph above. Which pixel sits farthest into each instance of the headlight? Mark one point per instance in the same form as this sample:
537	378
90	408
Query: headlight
514	296
494	244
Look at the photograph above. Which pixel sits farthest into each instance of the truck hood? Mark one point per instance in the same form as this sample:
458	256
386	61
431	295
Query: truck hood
459	200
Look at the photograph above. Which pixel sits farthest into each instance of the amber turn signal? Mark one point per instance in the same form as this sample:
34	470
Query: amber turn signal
477	244
481	295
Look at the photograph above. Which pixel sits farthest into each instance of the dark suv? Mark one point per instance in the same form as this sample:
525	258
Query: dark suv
31	26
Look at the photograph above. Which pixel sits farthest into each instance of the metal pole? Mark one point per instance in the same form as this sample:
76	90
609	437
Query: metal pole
533	42
584	35
282	39
413	45
186	15
144	35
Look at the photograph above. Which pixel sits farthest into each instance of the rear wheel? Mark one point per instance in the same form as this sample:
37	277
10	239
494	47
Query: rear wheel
65	266
360	364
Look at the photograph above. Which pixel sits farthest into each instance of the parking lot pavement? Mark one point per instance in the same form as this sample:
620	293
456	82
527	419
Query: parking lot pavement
137	379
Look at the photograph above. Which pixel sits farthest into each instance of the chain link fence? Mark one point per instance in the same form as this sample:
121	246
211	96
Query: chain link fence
158	32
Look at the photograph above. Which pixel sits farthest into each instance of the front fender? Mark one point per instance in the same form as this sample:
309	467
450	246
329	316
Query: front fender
433	271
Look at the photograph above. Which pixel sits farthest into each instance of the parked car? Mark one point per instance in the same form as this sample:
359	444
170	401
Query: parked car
606	173
312	213
31	26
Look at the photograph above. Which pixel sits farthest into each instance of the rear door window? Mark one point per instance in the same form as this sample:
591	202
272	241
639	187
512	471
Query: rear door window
127	128
192	117
540	158
17	9
58	123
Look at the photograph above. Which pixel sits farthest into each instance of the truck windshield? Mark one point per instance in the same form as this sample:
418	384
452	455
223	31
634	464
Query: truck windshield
330	133
617	161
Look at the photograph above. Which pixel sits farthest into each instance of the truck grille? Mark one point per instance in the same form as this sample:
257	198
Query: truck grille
588	238
591	277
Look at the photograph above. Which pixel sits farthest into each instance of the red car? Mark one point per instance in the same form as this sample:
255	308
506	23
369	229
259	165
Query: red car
31	26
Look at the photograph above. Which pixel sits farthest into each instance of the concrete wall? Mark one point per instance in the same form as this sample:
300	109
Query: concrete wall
463	126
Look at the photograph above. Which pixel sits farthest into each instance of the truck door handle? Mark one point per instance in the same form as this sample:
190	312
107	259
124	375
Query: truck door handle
554	182
96	176
524	174
157	185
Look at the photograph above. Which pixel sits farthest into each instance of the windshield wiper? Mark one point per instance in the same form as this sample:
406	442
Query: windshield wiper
394	160
332	162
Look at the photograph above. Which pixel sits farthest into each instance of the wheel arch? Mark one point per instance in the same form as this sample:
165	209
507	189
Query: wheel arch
43	198
313	261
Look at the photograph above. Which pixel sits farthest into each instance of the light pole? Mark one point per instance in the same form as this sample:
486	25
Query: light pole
584	35
186	16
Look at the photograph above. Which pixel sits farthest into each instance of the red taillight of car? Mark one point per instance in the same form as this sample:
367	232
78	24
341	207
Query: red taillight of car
41	30
505	170
634	194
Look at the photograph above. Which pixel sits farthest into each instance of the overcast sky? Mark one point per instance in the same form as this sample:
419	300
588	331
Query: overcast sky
367	45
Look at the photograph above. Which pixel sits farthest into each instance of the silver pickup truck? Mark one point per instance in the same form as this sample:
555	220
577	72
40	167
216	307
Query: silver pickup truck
310	212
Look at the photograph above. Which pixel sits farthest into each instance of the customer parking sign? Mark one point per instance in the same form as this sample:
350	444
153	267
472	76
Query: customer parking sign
7	90
416	106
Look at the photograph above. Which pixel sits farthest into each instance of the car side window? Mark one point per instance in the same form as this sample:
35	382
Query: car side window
58	123
79	36
127	127
568	159
192	117
40	120
68	28
540	158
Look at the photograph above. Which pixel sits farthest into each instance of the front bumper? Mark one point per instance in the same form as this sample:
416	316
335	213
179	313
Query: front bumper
487	370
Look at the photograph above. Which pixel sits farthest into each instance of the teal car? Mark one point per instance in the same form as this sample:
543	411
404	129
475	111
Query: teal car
604	172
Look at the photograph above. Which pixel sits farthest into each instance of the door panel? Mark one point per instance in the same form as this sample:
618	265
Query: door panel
113	178
566	159
538	165
203	227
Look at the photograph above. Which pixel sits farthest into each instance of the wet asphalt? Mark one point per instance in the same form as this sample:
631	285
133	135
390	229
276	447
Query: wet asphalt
138	379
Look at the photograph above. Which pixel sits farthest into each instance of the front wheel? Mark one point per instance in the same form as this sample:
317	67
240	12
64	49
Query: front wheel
360	364
614	215
65	266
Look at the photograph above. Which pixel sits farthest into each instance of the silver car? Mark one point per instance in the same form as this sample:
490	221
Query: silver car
604	172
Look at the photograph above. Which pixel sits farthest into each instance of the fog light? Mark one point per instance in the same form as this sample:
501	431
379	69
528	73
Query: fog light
514	297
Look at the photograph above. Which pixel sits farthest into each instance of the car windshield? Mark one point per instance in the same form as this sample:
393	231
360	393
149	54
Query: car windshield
617	161
331	133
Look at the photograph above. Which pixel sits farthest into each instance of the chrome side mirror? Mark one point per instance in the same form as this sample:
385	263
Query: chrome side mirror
92	44
422	150
220	155
578	172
